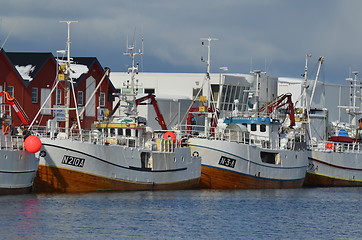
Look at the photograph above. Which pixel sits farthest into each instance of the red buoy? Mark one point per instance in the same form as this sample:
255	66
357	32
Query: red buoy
32	144
170	135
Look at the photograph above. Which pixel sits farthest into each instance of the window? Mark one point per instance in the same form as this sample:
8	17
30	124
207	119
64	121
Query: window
11	90
112	132
128	132
102	99
120	132
80	98
253	127
215	91
262	128
34	95
195	91
58	97
44	93
149	90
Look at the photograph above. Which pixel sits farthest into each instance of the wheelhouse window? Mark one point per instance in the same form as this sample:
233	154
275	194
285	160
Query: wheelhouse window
262	128
119	131
128	132
253	127
34	95
112	132
102	99
80	97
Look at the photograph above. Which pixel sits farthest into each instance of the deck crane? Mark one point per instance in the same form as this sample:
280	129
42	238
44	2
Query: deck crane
160	119
190	117
278	103
16	106
140	101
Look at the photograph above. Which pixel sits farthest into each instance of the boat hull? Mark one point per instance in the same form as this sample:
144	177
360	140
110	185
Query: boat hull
216	178
112	168
53	179
232	165
17	171
334	169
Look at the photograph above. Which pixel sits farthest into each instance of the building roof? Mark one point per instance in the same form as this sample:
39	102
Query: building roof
81	65
28	64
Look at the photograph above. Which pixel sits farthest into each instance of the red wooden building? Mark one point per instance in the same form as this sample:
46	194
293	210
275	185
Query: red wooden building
29	77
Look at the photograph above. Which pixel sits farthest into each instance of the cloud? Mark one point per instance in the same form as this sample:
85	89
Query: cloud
272	34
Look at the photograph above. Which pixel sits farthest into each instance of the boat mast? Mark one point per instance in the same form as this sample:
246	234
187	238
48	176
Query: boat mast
69	83
257	90
305	105
320	60
132	84
207	78
352	109
305	86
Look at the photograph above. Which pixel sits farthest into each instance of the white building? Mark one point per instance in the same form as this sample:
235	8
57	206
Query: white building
176	91
331	103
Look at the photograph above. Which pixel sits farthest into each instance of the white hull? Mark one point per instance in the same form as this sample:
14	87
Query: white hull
115	163
244	163
333	168
17	171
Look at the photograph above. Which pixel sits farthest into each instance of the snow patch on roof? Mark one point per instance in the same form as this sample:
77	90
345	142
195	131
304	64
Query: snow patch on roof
25	71
76	69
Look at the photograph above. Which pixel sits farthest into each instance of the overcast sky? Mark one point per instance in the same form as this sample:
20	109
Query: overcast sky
270	35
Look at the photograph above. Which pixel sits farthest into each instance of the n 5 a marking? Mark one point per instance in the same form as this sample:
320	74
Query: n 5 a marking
228	162
73	161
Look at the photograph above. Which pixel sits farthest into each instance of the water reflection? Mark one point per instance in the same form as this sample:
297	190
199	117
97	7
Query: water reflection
208	214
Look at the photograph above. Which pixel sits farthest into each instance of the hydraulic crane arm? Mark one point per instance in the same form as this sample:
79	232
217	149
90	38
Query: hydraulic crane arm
16	106
160	118
278	103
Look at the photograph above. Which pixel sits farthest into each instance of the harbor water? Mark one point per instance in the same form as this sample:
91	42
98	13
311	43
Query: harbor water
308	213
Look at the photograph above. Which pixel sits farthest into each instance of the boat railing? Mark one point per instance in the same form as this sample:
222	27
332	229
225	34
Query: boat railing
246	138
227	135
156	141
12	142
328	146
241	137
251	114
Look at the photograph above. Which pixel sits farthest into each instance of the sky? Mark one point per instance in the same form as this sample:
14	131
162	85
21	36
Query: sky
269	35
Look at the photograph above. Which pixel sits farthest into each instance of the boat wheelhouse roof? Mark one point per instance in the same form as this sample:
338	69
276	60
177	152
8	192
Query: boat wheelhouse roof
252	120
119	125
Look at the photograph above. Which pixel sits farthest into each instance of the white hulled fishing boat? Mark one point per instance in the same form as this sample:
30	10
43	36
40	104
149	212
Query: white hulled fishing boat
245	150
120	154
335	160
18	163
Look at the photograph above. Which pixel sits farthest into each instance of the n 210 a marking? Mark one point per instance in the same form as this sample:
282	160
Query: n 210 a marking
73	161
228	162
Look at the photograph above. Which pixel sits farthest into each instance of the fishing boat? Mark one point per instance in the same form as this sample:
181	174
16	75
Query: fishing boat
336	162
248	150
121	153
336	159
18	163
